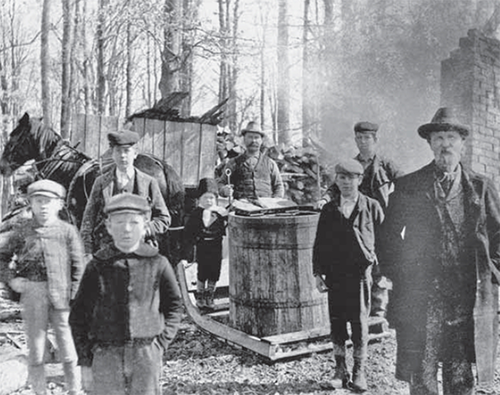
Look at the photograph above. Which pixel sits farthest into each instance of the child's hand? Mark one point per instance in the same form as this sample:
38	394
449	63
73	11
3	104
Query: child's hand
320	284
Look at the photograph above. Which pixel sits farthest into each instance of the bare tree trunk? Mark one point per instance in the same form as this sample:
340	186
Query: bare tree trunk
307	78
148	92
87	95
67	45
101	76
170	65
263	74
190	14
233	71
76	58
283	76
45	62
224	33
128	83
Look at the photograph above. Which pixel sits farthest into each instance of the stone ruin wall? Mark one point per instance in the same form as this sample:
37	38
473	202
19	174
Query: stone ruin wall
470	82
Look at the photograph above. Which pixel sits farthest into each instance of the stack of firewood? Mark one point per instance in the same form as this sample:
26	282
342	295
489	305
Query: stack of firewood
305	179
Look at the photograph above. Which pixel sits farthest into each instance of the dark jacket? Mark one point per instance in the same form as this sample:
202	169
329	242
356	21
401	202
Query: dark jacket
262	181
93	229
411	263
345	248
196	231
124	297
365	218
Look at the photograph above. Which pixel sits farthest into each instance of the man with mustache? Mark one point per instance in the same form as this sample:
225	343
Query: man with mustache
253	174
440	245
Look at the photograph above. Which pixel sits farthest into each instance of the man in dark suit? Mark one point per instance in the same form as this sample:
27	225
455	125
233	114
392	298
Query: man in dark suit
440	245
122	178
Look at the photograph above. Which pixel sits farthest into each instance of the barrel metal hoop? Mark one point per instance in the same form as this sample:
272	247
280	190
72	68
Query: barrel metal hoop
270	304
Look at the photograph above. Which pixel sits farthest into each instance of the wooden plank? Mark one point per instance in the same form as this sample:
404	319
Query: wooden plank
77	132
173	146
108	124
208	151
139	126
158	138
191	153
92	131
147	137
298	336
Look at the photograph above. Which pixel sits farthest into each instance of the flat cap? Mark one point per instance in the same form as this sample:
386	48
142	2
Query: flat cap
349	166
47	188
123	137
444	120
252	127
365	126
127	202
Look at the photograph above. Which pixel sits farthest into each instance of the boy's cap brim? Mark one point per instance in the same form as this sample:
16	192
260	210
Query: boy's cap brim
46	188
127	202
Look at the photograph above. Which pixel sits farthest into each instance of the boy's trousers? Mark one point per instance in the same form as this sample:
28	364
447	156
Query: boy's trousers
37	314
133	369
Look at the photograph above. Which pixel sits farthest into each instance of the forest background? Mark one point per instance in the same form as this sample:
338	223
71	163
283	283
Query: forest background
306	70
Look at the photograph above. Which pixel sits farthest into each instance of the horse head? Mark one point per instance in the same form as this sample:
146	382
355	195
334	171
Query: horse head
23	145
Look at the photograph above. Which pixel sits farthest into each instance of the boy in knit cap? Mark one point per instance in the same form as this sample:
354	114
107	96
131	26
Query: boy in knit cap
48	268
343	257
128	307
205	229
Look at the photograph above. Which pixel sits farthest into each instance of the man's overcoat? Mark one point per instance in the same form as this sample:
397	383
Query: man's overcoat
409	253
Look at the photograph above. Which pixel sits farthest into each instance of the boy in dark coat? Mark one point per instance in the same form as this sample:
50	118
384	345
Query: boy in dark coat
343	256
205	229
128	307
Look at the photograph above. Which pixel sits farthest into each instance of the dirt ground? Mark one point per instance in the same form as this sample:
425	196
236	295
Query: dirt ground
197	363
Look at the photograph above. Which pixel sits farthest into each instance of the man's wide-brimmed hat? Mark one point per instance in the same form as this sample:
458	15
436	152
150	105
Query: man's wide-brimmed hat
444	120
252	127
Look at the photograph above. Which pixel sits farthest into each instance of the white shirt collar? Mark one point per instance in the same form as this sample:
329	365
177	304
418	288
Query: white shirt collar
128	175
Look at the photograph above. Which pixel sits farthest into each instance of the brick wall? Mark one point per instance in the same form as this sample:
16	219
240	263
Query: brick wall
470	82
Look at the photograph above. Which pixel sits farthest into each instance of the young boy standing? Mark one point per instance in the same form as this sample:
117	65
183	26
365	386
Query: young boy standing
128	307
205	229
343	256
48	268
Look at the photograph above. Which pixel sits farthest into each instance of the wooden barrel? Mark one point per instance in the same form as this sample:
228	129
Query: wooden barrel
271	287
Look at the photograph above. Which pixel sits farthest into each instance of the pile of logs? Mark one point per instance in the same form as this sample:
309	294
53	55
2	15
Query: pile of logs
305	179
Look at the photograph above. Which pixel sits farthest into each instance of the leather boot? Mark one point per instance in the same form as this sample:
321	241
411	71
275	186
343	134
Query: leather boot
341	376
209	295
199	295
72	377
358	383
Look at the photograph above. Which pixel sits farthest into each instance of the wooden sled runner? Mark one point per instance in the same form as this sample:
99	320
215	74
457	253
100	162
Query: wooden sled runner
273	348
